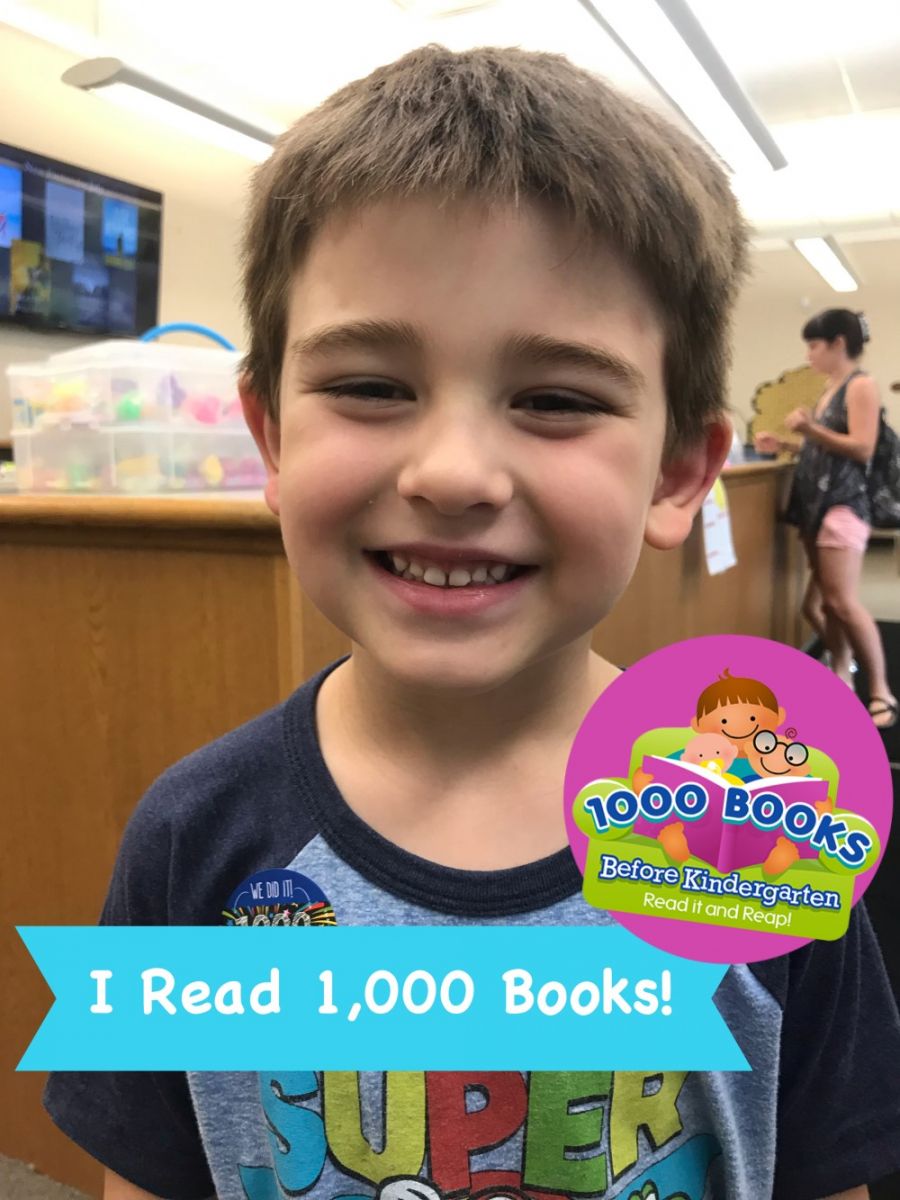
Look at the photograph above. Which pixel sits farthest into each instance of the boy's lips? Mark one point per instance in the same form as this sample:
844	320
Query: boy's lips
468	600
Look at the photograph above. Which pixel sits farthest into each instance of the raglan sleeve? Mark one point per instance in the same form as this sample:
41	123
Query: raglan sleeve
839	1077
139	1124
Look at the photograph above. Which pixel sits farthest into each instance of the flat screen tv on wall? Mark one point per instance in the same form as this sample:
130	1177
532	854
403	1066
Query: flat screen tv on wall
78	250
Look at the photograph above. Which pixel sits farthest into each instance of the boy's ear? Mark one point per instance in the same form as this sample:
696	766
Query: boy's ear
267	435
684	481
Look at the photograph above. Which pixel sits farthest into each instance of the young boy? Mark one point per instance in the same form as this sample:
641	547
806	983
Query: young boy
489	303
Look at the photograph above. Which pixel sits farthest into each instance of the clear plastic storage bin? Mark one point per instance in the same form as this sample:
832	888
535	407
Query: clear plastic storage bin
134	417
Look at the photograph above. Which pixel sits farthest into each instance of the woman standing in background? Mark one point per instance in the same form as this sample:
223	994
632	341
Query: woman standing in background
829	500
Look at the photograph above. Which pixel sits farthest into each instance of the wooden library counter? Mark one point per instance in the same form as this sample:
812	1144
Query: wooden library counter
137	629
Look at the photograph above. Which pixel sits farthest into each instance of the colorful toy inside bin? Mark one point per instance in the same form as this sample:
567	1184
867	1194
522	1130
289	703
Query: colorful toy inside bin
133	417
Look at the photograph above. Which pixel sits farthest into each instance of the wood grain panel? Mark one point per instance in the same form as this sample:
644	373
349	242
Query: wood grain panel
672	596
116	662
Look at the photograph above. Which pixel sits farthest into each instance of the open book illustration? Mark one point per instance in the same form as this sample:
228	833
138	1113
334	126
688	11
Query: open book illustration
728	847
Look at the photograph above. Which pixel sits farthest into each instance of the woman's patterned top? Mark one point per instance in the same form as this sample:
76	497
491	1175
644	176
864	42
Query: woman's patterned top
823	479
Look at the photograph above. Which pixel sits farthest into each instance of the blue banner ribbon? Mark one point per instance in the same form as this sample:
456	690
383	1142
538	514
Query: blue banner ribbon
373	998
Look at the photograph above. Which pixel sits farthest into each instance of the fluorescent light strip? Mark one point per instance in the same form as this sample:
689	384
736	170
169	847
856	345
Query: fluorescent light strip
671	49
824	256
131	89
132	99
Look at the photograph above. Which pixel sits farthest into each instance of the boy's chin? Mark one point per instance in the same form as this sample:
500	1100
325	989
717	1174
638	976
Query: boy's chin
456	668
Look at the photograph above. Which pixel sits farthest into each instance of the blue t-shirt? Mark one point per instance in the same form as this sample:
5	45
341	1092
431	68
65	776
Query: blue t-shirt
818	1113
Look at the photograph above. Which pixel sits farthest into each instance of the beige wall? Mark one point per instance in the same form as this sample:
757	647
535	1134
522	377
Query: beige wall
203	190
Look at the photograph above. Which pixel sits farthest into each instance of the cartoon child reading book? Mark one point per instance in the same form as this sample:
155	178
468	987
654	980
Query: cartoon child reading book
736	743
735	709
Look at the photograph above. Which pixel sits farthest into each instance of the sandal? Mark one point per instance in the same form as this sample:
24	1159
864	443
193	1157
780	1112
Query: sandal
881	706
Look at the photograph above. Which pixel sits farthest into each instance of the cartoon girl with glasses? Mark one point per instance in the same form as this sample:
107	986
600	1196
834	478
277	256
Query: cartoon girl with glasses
769	754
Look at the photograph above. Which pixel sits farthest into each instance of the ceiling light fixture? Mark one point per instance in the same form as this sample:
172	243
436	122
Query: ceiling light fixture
824	255
670	47
132	89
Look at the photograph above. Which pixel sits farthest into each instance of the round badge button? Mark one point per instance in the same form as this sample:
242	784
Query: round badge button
278	897
727	799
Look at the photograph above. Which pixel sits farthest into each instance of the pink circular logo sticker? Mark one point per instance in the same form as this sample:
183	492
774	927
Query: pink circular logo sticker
727	799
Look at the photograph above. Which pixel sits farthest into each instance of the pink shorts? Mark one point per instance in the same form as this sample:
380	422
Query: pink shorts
842	529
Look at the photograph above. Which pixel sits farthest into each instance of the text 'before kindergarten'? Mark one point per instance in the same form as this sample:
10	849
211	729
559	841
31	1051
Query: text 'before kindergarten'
699	879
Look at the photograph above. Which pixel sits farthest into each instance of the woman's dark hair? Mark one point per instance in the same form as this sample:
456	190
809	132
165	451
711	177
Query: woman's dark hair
838	322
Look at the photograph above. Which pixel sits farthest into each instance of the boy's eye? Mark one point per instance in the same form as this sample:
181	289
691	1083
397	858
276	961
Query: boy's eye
555	402
365	389
539	404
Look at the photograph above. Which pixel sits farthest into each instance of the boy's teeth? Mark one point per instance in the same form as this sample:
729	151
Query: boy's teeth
435	576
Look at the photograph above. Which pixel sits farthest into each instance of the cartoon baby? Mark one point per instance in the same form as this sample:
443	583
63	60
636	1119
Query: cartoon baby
713	752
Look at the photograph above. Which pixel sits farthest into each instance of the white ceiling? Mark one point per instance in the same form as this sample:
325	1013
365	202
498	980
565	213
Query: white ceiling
823	74
803	59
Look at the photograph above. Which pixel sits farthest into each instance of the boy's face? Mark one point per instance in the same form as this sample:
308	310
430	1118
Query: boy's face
457	449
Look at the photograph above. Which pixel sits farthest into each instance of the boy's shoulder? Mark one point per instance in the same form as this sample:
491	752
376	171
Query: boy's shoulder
246	766
243	760
212	819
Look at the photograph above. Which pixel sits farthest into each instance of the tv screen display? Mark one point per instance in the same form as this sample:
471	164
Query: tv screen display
78	250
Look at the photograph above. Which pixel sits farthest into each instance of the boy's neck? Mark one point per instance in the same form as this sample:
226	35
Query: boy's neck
472	782
440	728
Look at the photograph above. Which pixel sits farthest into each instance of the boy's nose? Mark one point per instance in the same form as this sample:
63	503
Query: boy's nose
456	463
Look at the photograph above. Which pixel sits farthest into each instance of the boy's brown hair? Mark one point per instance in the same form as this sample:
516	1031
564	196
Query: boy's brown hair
501	125
729	689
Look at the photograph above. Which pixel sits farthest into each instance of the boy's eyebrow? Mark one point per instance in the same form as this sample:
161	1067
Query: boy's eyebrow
536	348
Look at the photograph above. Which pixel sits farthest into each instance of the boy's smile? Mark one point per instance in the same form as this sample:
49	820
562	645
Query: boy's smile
472	424
443	581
